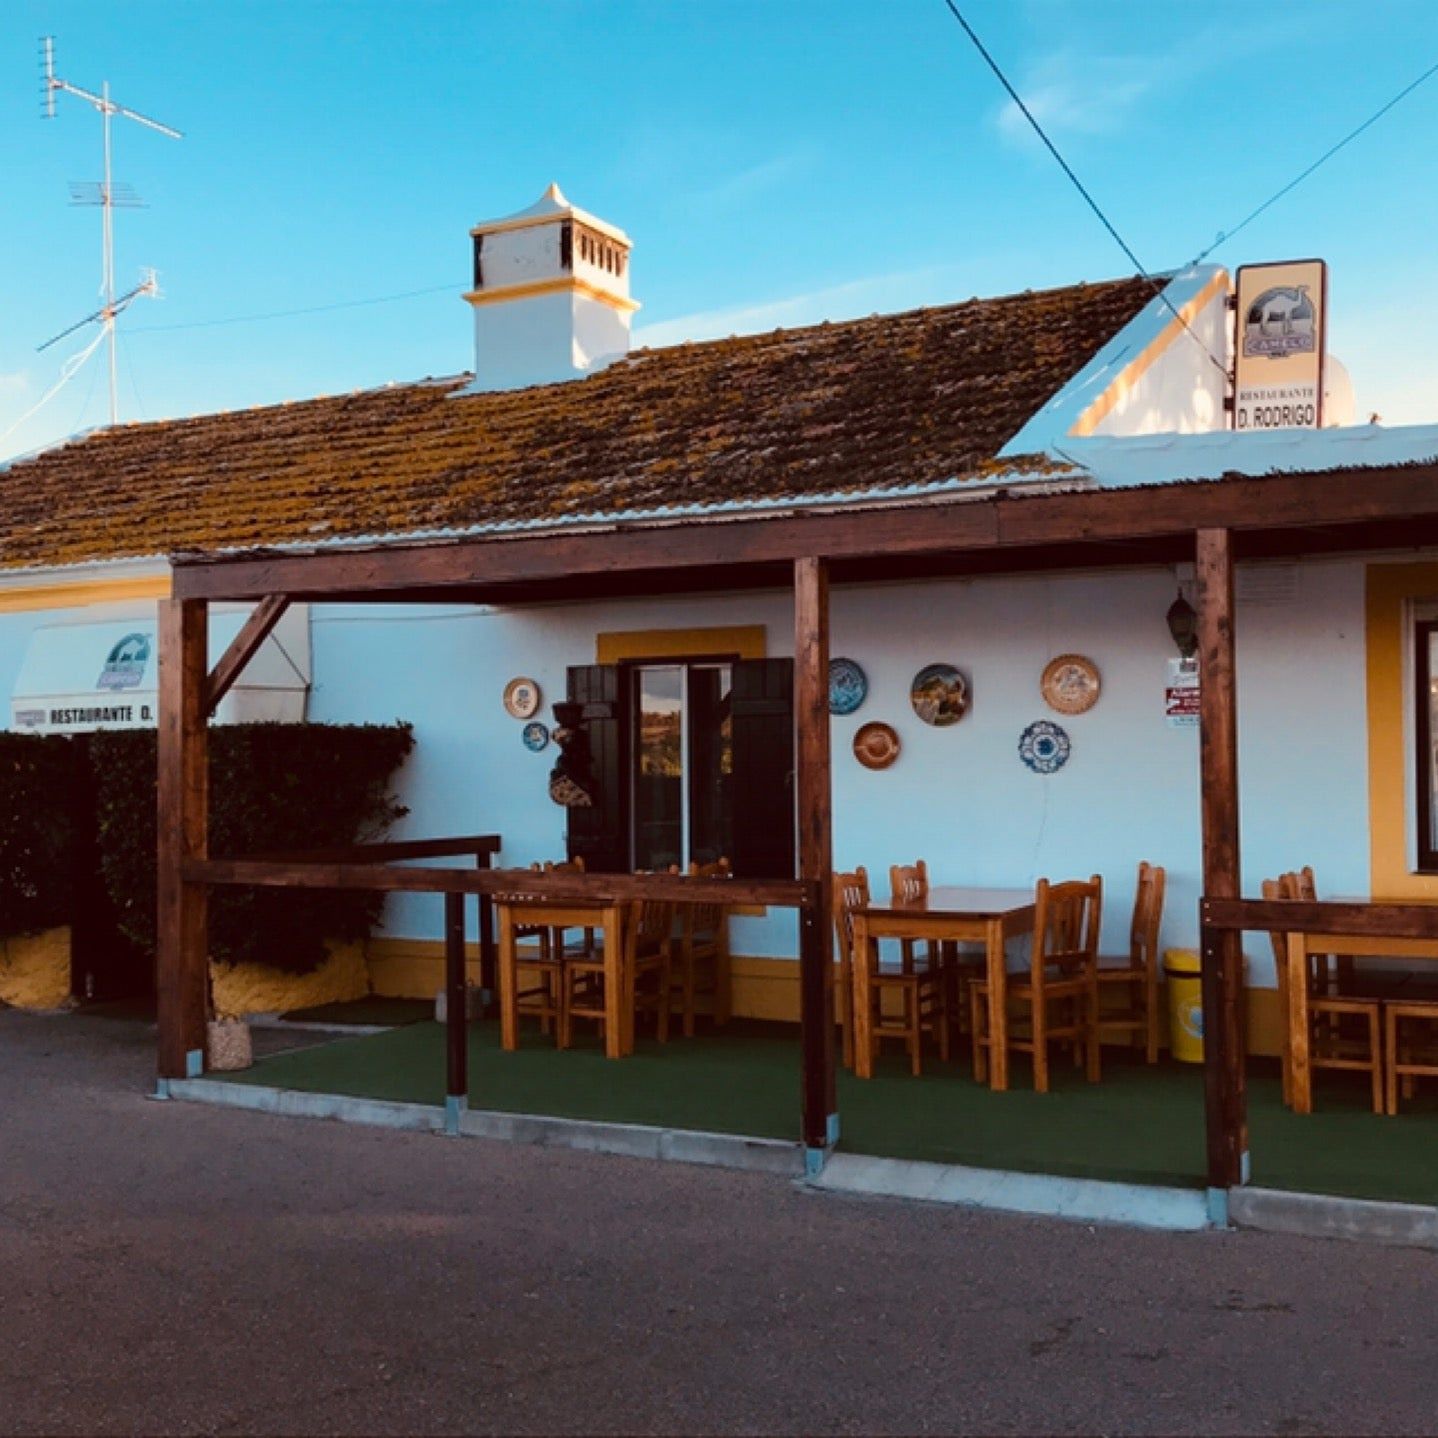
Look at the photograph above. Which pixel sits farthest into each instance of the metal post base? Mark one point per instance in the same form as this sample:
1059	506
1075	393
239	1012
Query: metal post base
814	1160
1218	1207
455	1107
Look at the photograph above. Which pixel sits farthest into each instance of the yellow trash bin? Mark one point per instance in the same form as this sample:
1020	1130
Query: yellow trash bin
1182	969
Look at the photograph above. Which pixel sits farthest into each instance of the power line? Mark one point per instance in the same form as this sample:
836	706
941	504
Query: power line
1225	235
1078	184
286	314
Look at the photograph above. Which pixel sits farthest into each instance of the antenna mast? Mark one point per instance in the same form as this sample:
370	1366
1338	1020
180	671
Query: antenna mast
107	198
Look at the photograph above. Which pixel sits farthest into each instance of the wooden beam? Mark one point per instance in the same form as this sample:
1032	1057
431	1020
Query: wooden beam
816	860
1224	1076
558	888
1005	520
1389	921
182	931
255	630
461	846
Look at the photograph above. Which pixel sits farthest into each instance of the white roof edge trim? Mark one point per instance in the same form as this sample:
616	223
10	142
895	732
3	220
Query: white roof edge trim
146	566
1052	423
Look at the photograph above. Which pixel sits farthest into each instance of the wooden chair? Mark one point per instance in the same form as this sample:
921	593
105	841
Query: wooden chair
701	953
851	891
953	967
1345	1029
648	940
917	983
1407	1057
542	966
1063	972
1136	978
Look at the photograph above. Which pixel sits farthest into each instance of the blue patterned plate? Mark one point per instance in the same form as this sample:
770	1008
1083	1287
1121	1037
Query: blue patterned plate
848	686
1044	747
535	736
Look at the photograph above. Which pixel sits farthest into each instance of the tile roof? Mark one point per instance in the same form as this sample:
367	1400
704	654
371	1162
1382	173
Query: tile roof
868	404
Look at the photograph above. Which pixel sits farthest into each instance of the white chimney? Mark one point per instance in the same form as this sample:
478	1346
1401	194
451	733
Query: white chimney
551	295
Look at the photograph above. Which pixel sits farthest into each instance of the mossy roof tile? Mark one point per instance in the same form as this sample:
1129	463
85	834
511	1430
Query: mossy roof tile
870	404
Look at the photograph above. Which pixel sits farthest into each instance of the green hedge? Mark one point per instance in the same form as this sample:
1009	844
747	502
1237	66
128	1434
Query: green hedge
36	839
272	786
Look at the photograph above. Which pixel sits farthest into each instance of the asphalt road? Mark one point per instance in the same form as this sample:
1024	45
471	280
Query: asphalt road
171	1268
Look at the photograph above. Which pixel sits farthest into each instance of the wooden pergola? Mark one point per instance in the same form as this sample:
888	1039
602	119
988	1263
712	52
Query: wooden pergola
1213	523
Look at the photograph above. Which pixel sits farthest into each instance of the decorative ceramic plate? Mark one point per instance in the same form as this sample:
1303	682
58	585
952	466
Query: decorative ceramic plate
848	686
536	736
1070	684
1044	747
940	695
876	746
521	698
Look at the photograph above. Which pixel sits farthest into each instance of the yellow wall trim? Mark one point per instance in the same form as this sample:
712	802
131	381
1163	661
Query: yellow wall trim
1137	367
1389	589
564	284
83	592
746	640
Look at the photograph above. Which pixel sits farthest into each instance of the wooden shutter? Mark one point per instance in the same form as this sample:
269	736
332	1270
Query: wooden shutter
600	834
763	783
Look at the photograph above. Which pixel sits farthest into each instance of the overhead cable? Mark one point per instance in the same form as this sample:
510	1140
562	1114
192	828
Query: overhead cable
1225	235
1078	184
286	314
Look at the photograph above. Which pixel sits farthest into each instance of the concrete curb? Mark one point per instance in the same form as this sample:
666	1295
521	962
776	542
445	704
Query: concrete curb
721	1150
291	1103
1315	1215
1086	1200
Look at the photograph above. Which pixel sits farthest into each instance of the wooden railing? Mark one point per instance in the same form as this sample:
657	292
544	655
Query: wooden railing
1385	920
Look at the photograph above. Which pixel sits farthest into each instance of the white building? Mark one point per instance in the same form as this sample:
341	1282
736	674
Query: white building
561	429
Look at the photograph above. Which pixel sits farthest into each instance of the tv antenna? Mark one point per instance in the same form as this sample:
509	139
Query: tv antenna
108	196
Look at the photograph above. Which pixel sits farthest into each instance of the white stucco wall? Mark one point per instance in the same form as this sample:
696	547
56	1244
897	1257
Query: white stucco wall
959	797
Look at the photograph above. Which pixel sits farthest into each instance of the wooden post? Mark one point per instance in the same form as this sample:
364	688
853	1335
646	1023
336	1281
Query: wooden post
816	862
488	969
456	1019
182	828
1222	950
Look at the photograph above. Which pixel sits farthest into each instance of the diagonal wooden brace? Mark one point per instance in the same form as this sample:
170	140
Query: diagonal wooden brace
257	628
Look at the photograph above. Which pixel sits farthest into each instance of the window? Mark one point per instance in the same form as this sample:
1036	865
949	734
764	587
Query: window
683	763
1425	728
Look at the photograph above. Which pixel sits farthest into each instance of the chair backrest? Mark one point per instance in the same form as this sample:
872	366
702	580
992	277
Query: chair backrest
1272	889
650	926
705	918
851	891
909	881
1147	916
1067	917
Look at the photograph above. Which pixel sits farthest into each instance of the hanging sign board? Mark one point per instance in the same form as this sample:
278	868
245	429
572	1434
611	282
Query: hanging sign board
1280	343
1180	695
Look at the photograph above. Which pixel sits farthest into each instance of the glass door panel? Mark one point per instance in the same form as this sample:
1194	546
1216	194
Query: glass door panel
659	766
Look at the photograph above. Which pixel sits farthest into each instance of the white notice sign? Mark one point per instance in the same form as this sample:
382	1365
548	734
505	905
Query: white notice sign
1180	696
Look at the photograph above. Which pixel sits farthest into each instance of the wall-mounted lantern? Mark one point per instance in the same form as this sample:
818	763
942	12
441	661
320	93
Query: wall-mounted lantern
1183	625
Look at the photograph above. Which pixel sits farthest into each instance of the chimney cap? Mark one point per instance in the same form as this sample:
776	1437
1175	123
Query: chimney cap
550	207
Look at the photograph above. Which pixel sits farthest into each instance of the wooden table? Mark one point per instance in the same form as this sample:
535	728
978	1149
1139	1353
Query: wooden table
1344	946
946	914
618	982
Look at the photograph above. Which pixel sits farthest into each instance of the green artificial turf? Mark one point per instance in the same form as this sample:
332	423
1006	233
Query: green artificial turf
373	1011
1141	1124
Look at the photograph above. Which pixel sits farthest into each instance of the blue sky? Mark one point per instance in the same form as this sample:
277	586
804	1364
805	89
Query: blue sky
775	164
